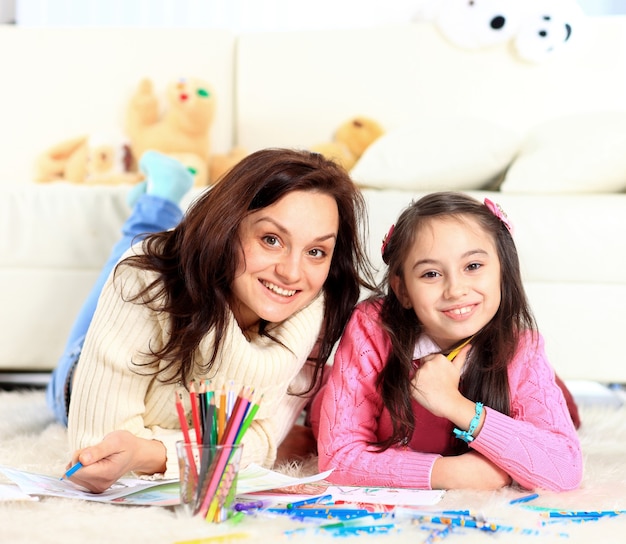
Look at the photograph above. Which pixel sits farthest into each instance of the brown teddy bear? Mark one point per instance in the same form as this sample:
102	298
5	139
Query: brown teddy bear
351	139
183	129
181	132
223	162
88	159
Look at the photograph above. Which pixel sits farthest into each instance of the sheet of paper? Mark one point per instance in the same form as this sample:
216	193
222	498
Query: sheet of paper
146	492
383	496
9	492
255	478
389	496
39	484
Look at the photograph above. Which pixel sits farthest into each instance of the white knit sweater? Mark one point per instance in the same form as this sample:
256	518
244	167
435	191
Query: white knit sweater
110	393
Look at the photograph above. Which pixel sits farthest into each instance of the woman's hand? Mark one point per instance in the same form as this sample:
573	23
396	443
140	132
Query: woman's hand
470	470
119	452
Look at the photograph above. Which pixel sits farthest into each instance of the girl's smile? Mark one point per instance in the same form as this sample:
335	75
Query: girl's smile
461	313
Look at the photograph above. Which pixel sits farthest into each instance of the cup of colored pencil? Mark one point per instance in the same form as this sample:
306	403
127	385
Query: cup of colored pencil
208	479
210	454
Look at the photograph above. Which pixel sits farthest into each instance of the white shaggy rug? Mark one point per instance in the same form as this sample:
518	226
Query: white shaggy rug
29	440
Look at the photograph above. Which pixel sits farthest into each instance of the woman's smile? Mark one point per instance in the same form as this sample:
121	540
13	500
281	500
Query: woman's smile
279	290
285	260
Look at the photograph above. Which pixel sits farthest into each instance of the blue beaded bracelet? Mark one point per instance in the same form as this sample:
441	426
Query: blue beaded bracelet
468	435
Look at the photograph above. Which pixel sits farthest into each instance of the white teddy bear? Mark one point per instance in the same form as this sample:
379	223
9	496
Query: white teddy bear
535	28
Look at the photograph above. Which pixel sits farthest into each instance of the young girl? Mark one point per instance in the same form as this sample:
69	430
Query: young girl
404	407
253	287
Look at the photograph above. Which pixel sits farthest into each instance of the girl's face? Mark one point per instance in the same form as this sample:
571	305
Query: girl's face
287	251
451	279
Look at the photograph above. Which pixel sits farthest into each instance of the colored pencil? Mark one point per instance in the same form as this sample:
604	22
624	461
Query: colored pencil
220	418
525	498
71	470
195	416
185	429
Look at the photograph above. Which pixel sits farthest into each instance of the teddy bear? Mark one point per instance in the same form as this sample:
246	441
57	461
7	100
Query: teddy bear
221	163
350	140
182	131
535	29
96	159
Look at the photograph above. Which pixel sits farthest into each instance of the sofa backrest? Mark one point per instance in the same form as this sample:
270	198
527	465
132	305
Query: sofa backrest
296	90
61	83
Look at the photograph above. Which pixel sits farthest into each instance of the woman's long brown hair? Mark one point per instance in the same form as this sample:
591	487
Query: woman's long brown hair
196	262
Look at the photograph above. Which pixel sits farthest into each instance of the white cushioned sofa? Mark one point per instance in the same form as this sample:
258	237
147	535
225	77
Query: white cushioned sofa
548	137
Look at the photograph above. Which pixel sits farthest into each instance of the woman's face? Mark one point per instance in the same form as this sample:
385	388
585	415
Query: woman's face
451	279
287	251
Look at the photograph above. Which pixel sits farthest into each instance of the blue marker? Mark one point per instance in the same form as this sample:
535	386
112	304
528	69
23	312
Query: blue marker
71	470
312	500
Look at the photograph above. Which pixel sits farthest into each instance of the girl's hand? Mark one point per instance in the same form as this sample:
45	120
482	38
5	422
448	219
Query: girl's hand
436	384
119	452
470	470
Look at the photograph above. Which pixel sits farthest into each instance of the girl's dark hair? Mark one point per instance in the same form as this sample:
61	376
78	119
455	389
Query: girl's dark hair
485	374
195	263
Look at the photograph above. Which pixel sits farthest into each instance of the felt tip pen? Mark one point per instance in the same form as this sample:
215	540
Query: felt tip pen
410	512
71	470
461	522
525	498
324	513
358	529
252	505
312	500
342	528
587	514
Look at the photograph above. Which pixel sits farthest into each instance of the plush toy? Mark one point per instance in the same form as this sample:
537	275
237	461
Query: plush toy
183	129
181	132
547	27
534	28
351	139
220	163
88	159
50	165
480	23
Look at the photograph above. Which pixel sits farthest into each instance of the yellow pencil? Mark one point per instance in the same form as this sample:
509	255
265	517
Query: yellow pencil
456	350
221	416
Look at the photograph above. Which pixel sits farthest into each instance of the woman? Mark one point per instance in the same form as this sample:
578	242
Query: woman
252	288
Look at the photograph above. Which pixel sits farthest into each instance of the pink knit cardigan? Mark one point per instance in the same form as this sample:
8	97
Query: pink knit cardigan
537	445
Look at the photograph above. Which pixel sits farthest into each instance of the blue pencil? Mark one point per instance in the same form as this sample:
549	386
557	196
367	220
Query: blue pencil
525	498
71	470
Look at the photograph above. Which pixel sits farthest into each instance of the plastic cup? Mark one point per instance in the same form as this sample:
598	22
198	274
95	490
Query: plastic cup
208	479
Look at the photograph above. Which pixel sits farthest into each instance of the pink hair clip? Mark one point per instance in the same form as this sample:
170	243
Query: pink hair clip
497	210
386	241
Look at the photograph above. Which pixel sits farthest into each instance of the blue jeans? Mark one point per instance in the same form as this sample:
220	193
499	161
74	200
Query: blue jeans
150	214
